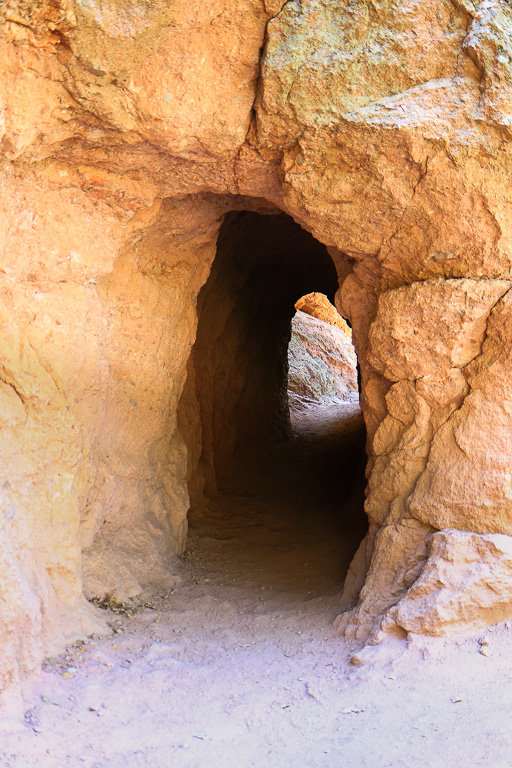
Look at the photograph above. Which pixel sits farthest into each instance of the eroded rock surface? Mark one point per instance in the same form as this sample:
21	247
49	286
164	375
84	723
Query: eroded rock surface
127	133
318	305
465	580
322	364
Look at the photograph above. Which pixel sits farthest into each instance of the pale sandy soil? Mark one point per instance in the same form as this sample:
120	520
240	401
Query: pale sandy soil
240	666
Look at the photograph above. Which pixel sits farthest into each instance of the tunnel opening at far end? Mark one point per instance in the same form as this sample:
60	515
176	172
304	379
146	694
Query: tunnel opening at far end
274	501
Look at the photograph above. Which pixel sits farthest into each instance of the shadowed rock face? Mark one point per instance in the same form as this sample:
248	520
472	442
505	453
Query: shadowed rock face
240	367
126	136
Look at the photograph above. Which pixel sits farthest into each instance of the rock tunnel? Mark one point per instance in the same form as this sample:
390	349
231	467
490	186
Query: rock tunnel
238	376
264	264
121	159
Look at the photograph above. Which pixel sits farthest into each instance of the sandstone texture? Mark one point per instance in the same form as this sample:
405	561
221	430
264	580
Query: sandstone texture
318	305
465	580
139	143
322	364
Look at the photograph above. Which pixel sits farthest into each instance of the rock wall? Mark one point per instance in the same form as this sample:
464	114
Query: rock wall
126	134
318	305
322	363
98	325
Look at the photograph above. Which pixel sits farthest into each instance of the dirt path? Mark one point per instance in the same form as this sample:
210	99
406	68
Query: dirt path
239	666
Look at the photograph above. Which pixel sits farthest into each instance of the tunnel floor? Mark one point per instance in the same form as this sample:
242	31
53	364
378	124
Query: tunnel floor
239	663
297	526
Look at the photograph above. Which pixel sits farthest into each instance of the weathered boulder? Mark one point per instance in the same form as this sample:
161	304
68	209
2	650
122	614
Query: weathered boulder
322	364
318	305
465	581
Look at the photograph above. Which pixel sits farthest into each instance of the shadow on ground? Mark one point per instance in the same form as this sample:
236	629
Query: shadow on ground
301	518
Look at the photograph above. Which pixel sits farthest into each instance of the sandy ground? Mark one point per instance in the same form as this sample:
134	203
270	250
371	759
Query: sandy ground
239	664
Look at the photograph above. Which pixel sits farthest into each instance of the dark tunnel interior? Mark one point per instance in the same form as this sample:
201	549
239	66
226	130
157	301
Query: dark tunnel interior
238	374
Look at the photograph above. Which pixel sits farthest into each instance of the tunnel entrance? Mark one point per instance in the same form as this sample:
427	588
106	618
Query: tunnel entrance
289	496
323	377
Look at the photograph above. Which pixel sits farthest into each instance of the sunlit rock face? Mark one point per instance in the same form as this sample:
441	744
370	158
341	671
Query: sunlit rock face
126	136
322	364
318	305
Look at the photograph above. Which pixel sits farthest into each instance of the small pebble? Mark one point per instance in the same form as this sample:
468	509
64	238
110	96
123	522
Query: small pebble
456	699
485	651
49	701
484	640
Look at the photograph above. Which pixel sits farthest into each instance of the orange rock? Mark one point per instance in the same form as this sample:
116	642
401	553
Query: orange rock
318	305
127	132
